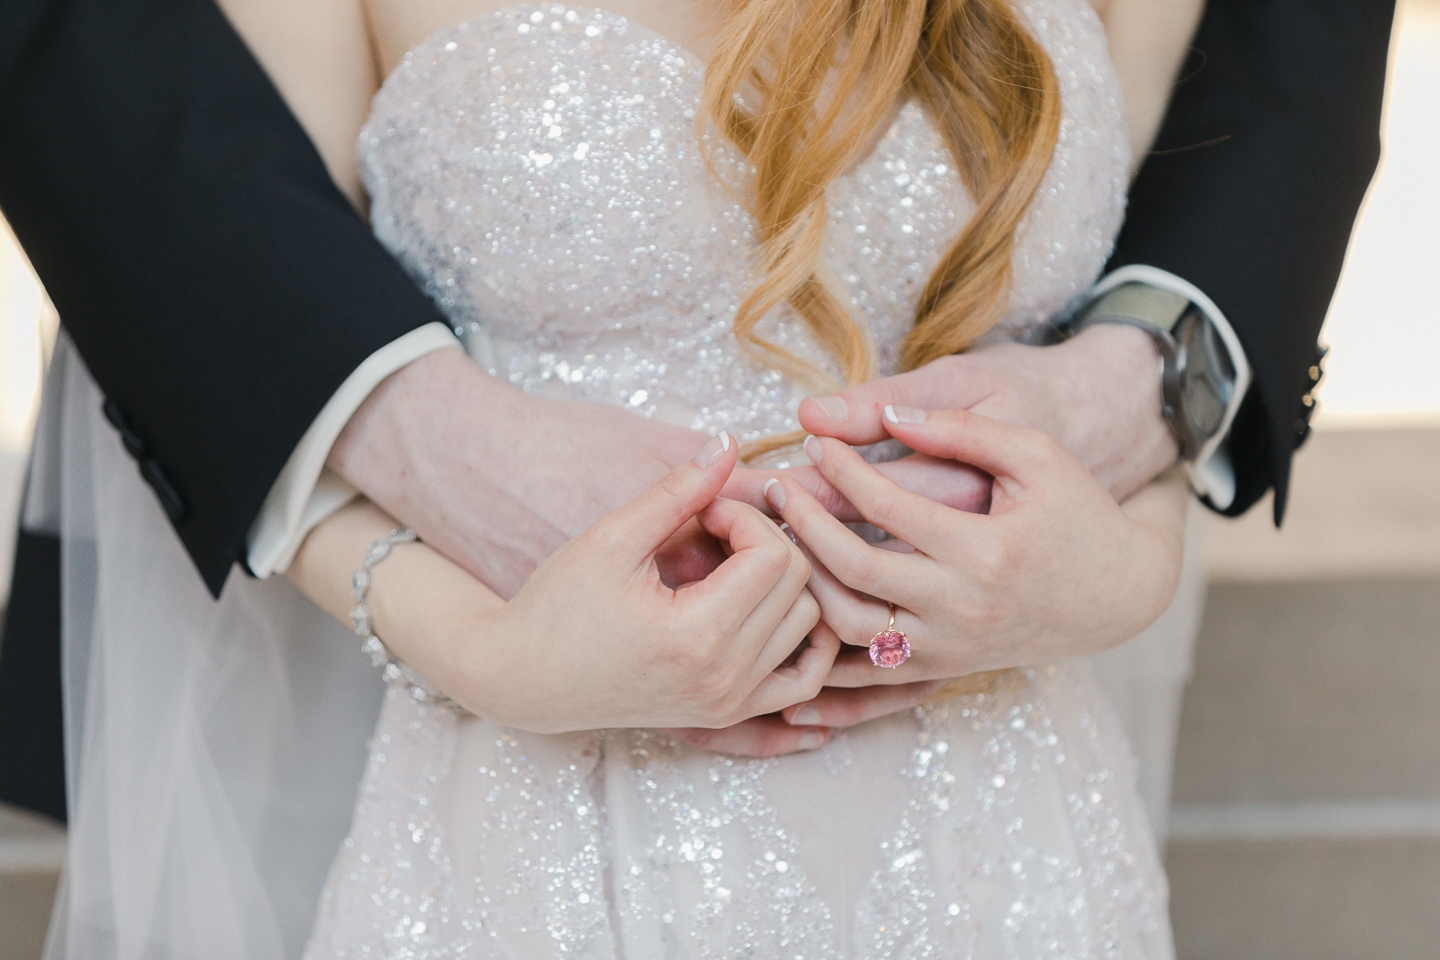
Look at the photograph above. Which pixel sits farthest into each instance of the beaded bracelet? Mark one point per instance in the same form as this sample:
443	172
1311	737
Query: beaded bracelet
395	672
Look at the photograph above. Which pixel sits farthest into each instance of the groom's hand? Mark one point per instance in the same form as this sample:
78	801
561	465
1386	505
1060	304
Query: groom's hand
1098	395
495	479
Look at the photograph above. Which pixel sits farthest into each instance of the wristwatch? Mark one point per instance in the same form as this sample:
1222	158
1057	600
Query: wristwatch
1198	378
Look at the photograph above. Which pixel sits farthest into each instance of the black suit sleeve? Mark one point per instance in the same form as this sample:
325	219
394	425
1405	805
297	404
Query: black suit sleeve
1266	152
218	285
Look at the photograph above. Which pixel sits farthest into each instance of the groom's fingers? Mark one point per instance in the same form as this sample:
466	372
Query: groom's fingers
999	449
767	736
748	484
838	707
956	485
854	415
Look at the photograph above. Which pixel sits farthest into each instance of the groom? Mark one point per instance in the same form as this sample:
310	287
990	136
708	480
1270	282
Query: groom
248	331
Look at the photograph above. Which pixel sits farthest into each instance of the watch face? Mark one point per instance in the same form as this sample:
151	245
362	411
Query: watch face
1208	378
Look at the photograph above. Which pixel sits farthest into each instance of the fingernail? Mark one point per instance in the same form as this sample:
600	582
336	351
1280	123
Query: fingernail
711	453
806	717
785	529
904	414
812	740
813	450
775	492
834	407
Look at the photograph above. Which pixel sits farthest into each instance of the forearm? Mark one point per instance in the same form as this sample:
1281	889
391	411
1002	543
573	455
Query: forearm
492	477
407	589
1161	506
436	436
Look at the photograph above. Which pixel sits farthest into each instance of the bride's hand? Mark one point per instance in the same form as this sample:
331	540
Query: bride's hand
594	638
1056	569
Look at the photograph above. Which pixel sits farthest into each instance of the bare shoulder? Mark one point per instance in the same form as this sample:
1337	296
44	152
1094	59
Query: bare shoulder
318	54
1148	41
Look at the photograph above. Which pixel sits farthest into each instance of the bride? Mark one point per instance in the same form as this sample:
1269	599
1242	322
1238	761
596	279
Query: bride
706	213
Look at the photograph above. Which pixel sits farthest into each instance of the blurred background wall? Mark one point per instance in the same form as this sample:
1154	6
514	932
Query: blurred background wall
1307	786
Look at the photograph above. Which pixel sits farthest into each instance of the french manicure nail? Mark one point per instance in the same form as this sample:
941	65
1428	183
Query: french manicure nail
806	717
813	450
812	740
785	529
775	492
711	453
834	407
904	414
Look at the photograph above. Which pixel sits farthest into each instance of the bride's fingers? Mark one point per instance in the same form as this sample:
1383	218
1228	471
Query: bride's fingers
762	562
797	682
1000	449
956	485
854	618
839	707
774	643
765	736
749	485
916	519
635	531
880	573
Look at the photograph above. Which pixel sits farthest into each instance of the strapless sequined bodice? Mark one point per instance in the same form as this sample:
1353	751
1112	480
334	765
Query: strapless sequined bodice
538	172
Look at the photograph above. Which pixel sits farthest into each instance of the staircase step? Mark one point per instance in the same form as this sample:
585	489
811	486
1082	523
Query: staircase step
1314	691
32	848
1305	899
1362	503
25	899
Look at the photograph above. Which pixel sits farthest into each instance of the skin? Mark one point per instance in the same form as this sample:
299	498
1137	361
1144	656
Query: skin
970	596
621	648
499	516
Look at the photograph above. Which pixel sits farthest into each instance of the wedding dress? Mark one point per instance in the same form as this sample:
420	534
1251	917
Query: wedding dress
537	170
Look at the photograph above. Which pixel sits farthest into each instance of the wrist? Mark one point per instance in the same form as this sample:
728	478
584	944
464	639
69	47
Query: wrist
1111	381
431	429
371	447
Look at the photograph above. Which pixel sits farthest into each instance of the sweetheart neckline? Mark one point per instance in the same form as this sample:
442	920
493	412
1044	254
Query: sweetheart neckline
512	9
692	61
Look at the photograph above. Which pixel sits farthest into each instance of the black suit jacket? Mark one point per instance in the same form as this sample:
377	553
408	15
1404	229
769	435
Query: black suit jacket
1266	152
220	288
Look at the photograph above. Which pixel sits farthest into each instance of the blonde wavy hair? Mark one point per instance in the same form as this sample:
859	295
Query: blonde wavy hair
828	73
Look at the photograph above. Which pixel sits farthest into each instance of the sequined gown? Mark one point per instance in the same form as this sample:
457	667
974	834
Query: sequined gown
537	170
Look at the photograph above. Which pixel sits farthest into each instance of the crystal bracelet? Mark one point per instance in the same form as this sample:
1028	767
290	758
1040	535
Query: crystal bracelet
395	672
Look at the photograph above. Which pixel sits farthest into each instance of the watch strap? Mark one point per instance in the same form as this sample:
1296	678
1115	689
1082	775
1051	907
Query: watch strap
1138	304
1159	313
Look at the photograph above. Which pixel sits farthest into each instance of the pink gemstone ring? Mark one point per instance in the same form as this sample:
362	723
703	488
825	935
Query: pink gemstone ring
890	648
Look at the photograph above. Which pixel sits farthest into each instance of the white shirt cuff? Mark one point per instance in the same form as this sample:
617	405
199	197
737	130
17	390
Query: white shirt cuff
1212	475
305	492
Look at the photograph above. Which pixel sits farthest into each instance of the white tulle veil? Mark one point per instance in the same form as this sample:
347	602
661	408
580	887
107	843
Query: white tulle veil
213	748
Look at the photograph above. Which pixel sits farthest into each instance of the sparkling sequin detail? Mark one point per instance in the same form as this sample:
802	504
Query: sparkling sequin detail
537	171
